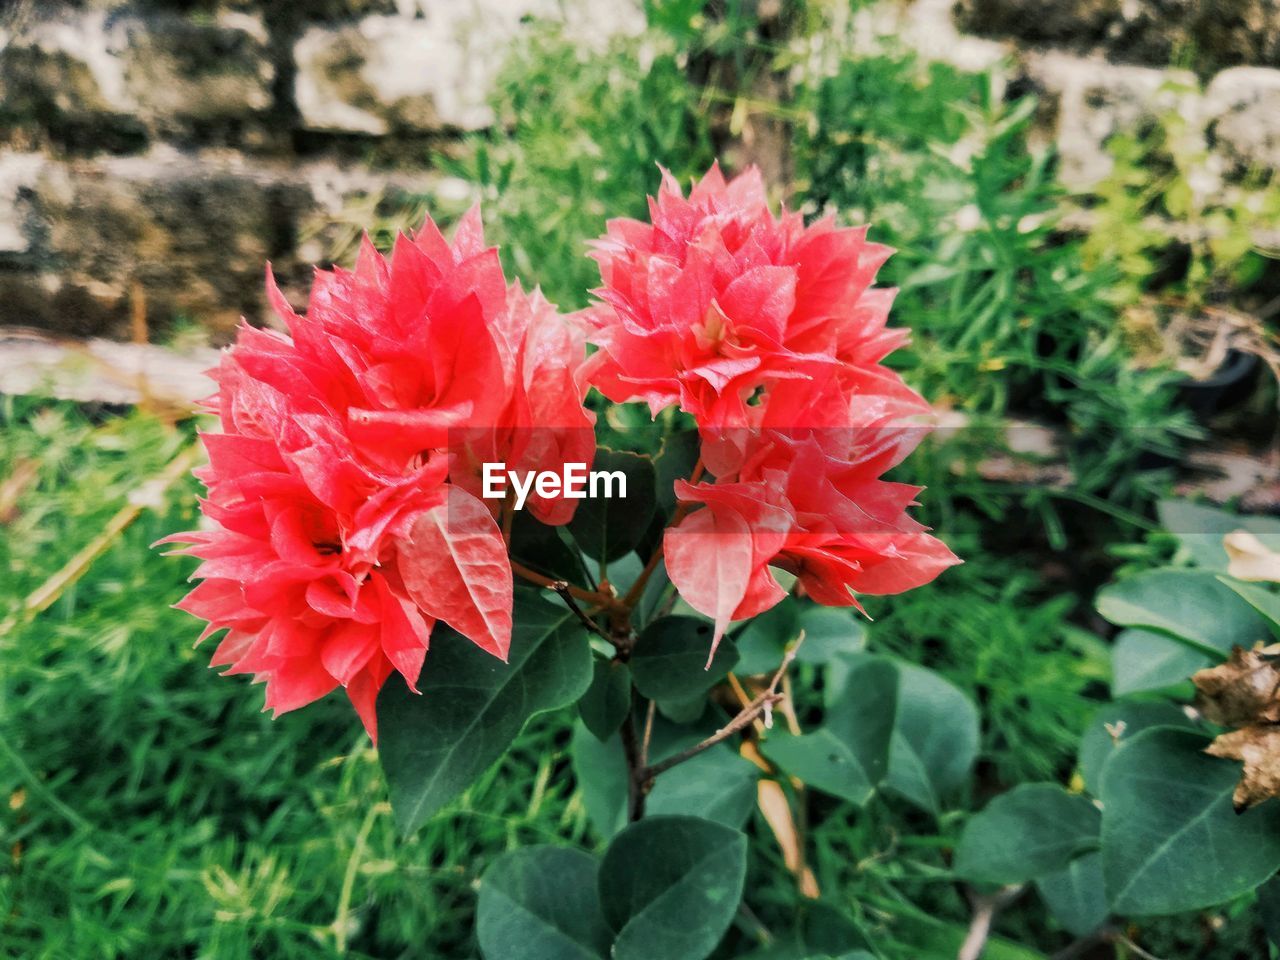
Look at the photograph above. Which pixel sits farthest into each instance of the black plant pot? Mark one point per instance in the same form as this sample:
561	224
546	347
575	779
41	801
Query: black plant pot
1231	384
1228	386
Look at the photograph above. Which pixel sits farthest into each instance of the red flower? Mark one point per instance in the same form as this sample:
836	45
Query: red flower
769	333
717	298
544	424
810	502
341	523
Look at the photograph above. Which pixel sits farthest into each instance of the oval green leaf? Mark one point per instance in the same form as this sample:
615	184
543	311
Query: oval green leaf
848	755
935	738
601	772
473	705
1033	830
606	702
521	914
670	659
1265	601
1189	604
829	632
1115	723
670	886
608	528
1171	841
1142	661
717	783
1075	895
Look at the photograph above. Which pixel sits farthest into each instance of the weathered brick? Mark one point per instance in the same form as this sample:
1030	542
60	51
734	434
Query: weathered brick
431	70
1243	110
1094	100
94	81
195	230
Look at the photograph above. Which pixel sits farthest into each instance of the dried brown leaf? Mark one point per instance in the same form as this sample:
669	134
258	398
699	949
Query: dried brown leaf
1258	748
777	812
1241	692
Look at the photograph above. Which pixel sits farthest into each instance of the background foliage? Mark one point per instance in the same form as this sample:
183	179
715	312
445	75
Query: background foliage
150	810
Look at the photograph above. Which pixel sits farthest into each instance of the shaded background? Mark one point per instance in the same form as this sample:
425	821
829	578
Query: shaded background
1082	195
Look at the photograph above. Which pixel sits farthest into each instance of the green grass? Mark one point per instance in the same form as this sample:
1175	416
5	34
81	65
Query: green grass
150	808
147	806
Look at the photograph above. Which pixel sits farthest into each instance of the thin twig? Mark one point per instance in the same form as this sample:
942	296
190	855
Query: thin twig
763	704
1134	948
589	596
985	908
648	733
562	587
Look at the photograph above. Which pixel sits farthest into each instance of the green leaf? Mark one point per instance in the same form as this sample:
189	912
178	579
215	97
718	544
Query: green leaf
762	643
670	659
1142	661
683	711
1266	602
1269	909
1075	895
848	755
1188	604
540	547
1033	830
1171	841
608	528
1128	719
670	886
606	702
600	769
473	705
521	914
717	783
829	632
675	461
1200	529
935	738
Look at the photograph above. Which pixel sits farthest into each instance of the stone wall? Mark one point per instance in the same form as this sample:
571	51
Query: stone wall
1105	66
176	145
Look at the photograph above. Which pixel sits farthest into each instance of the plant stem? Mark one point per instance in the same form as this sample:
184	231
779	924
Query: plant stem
745	717
589	596
985	908
636	788
648	733
740	722
566	594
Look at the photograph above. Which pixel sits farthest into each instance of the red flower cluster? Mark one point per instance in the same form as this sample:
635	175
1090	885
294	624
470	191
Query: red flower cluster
342	488
769	333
